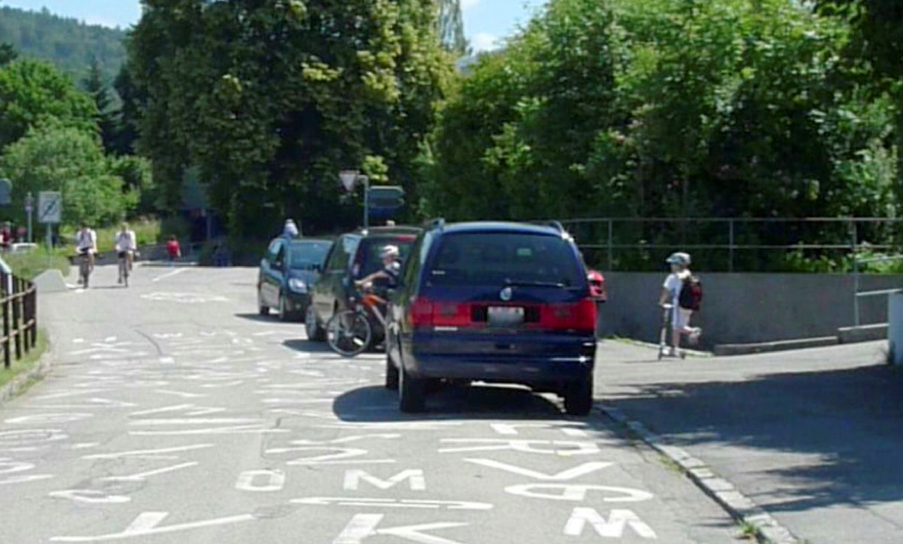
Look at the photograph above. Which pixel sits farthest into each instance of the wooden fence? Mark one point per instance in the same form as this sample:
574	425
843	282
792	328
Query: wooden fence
19	302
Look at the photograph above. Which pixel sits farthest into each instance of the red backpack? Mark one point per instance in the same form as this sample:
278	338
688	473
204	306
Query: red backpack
690	297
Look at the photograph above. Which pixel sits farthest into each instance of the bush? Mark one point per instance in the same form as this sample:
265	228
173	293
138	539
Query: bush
29	265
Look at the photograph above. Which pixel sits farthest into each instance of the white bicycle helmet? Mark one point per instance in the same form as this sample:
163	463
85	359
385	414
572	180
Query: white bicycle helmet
679	258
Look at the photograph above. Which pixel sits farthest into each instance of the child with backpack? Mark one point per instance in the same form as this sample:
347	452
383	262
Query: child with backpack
683	291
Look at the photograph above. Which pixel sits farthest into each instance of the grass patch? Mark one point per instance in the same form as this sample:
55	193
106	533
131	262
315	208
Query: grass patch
749	531
27	362
29	265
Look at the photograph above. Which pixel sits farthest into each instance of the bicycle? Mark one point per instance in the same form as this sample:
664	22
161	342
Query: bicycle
84	268
125	268
352	331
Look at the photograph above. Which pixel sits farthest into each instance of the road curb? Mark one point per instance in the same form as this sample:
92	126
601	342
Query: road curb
19	384
725	494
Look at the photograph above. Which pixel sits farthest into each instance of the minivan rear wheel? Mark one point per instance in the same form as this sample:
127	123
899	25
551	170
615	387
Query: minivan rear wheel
578	396
410	392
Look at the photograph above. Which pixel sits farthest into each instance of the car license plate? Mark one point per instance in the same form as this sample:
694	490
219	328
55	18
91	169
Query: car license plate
506	316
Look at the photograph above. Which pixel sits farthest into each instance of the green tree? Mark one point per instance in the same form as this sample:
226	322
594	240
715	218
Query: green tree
32	92
451	26
96	86
58	158
8	54
269	101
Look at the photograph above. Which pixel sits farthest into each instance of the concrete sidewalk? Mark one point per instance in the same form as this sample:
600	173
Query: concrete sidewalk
815	437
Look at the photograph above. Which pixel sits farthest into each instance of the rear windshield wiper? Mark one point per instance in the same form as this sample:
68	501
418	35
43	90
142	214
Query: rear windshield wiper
534	284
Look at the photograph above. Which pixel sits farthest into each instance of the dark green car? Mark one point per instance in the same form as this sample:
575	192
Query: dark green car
287	272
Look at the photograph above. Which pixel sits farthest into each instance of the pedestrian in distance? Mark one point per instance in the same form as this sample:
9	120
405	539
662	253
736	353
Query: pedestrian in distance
173	250
683	292
290	230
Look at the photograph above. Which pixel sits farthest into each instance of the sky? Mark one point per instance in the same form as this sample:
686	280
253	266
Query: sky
485	21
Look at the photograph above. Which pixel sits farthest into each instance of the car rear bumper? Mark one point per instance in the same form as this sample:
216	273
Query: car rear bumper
564	362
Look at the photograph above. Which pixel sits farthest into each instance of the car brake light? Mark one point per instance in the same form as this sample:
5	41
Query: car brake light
427	313
580	316
420	313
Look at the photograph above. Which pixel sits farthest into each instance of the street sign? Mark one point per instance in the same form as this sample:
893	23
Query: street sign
29	203
6	189
50	207
388	196
348	178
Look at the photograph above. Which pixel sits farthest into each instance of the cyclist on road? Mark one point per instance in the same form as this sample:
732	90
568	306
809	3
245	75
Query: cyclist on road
391	268
86	243
126	246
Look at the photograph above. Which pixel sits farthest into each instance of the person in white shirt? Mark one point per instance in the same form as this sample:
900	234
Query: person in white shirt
680	317
86	243
126	246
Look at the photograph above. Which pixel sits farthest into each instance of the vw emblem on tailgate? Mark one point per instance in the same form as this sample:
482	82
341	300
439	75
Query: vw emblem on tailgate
506	294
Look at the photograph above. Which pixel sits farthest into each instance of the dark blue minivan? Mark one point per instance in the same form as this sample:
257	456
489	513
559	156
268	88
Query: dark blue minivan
493	302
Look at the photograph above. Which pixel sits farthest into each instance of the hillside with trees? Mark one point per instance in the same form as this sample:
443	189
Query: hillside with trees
67	43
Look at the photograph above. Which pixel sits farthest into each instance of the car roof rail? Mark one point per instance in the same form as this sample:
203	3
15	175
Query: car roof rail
554	224
438	223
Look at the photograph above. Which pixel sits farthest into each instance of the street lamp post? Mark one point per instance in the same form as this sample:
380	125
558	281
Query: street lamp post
29	210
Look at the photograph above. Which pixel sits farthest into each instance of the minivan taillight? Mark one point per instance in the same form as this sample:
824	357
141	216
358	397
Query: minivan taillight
420	314
428	313
580	316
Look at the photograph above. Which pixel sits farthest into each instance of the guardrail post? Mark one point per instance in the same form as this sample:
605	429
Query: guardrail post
856	318
730	264
611	237
17	328
7	356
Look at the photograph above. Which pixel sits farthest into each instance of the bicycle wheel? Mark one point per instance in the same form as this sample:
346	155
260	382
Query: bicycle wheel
349	333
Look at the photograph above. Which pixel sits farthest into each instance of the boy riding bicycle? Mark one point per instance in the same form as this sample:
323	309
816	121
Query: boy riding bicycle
126	246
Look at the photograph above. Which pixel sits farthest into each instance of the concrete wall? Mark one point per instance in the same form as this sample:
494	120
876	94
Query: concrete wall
747	308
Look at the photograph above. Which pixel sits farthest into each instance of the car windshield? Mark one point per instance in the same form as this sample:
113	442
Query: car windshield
368	256
307	254
505	258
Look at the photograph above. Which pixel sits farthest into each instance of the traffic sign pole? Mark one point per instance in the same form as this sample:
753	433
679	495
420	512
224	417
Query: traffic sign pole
29	211
366	181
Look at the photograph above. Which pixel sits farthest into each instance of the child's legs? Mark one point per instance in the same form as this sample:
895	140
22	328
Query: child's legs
680	325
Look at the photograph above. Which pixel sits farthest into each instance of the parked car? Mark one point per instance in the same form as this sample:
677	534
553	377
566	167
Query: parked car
287	272
352	257
494	302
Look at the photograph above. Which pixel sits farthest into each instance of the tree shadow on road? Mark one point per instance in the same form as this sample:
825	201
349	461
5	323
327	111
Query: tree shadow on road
830	437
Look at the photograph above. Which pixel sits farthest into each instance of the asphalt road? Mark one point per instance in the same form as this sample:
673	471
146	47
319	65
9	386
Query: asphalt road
175	414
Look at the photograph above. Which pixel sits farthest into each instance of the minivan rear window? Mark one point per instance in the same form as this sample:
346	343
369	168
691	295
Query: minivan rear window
368	259
501	258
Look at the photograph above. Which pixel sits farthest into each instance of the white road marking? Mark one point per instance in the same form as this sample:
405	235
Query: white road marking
568	428
566	475
138	477
364	526
82	446
576	447
148	524
275	480
415	478
612	528
191	421
30	437
89	496
577	492
151	453
168	275
229	430
181	394
167	360
25	479
51	418
400	504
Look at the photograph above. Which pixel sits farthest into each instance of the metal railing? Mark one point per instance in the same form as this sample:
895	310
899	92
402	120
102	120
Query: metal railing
734	236
857	272
19	308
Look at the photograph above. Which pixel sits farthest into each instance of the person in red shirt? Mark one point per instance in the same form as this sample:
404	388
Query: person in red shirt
173	250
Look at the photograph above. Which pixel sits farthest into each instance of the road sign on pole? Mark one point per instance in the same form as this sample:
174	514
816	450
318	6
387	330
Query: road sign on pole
348	178
50	207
